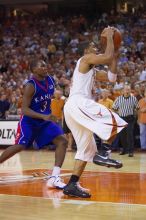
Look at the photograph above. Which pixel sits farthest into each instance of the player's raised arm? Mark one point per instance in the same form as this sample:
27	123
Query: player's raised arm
111	74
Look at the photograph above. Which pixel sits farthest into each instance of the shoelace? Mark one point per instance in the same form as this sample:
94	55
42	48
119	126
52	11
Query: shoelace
58	179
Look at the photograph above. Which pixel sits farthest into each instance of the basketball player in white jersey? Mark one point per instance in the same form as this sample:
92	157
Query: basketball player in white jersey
84	116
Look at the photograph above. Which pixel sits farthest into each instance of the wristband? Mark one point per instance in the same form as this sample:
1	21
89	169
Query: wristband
111	76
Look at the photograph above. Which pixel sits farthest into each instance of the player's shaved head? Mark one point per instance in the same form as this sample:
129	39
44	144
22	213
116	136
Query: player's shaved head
36	63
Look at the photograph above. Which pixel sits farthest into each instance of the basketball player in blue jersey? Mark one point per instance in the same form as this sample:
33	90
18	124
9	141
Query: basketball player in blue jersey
36	123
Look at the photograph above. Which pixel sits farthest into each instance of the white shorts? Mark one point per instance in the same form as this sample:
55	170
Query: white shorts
84	117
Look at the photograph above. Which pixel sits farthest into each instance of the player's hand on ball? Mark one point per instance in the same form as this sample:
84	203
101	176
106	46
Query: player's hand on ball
108	32
114	33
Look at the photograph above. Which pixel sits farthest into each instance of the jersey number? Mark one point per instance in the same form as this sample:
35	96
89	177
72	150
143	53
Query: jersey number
44	106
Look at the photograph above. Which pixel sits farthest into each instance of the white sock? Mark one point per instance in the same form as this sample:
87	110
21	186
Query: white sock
56	171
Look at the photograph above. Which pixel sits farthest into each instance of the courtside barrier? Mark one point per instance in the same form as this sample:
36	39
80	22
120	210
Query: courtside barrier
8	129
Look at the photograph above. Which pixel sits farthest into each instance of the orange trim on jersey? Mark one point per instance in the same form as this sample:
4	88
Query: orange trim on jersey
114	124
86	115
119	126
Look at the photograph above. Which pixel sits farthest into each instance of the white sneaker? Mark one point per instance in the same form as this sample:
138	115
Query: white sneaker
55	182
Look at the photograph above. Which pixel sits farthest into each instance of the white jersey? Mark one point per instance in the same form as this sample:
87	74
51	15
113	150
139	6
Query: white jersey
82	84
84	116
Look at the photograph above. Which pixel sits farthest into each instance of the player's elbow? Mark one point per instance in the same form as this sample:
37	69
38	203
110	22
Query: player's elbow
108	59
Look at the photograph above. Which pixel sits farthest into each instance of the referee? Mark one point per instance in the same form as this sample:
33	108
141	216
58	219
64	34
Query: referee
126	105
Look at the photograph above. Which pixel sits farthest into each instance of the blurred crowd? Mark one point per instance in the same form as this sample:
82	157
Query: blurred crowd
60	42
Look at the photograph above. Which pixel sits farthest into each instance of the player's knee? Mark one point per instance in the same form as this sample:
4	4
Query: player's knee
64	142
61	140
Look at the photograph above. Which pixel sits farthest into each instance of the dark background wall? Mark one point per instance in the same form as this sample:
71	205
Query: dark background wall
65	7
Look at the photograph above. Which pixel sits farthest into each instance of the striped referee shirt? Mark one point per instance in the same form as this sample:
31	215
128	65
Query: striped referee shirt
125	105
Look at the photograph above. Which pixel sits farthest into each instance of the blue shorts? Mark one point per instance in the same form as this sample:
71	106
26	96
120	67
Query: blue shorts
42	132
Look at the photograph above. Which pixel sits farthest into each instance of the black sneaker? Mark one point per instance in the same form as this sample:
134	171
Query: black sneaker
106	161
122	153
130	155
72	189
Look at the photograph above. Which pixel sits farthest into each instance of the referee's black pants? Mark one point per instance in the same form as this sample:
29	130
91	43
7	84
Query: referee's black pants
126	136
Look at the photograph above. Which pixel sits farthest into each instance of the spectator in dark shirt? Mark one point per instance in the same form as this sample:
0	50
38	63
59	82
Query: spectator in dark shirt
4	106
126	105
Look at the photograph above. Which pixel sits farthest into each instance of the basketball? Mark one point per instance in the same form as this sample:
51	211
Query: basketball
117	38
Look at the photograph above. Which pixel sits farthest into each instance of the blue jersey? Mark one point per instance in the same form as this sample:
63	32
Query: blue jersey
30	129
44	90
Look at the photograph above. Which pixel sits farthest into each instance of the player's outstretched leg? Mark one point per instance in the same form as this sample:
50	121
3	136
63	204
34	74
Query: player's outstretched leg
102	158
10	151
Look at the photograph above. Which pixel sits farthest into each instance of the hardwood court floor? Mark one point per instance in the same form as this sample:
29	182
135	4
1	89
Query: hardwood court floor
116	194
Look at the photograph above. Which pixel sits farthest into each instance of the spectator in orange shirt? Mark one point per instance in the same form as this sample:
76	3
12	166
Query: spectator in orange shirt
51	48
105	100
57	105
142	121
